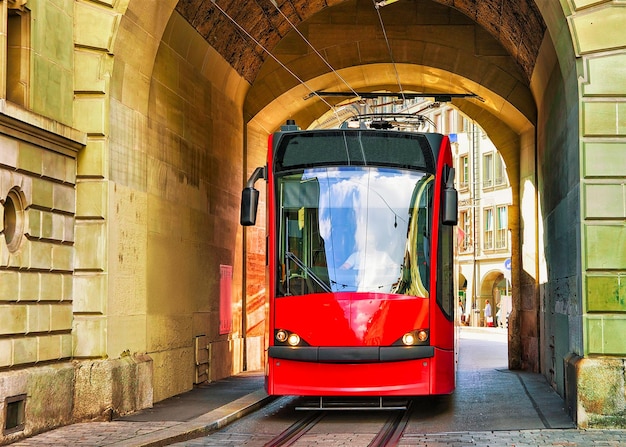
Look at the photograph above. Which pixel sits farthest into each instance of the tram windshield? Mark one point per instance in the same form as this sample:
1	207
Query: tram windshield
349	228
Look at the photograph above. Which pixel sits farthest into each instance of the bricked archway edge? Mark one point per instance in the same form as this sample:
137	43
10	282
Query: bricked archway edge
517	24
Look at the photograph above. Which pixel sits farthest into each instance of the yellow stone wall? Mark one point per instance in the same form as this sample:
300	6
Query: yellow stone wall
37	217
175	176
38	151
38	165
600	45
36	277
581	168
127	229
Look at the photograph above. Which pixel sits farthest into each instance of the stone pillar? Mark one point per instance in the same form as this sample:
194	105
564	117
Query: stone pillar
598	374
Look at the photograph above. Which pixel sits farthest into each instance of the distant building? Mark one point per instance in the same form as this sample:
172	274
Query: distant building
484	249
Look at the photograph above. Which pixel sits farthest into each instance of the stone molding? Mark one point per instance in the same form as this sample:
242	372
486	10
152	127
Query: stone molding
16	4
39	130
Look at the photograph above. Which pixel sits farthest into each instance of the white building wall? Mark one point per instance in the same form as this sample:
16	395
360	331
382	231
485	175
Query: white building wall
482	261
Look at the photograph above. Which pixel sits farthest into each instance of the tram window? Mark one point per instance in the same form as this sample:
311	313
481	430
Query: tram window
301	247
378	218
445	283
354	147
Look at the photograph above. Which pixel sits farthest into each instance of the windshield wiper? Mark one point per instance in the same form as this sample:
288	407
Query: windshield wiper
303	266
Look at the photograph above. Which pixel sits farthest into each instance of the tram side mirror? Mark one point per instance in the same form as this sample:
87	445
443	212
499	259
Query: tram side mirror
450	199
450	207
250	198
249	205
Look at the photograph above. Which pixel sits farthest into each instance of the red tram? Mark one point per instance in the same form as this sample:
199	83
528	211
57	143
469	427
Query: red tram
359	262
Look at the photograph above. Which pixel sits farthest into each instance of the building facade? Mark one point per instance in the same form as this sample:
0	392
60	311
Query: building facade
484	245
120	254
484	251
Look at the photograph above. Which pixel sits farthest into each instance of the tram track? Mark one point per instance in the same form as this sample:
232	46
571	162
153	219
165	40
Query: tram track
297	430
388	436
392	430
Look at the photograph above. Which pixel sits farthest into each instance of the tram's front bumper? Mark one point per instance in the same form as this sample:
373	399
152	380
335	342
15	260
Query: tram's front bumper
419	377
364	354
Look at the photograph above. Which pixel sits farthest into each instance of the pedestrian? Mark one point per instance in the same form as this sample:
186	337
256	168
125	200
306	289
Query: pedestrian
488	316
461	312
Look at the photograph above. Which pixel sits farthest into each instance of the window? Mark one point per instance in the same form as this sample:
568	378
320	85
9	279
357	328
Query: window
499	170
15	414
346	229
501	227
488	170
18	53
464	175
465	232
488	236
446	296
461	124
449	121
494	171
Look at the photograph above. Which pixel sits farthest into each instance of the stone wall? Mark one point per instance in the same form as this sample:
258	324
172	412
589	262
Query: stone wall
600	46
175	180
67	392
581	183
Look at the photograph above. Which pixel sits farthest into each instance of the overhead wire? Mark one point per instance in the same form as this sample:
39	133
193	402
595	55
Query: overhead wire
377	6
260	45
335	72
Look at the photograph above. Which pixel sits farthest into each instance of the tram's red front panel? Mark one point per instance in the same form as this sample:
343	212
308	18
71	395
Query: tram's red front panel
350	319
354	320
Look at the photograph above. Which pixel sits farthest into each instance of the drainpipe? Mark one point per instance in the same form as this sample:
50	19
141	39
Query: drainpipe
244	270
475	211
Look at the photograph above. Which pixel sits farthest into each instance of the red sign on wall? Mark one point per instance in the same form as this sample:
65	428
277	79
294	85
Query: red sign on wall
226	310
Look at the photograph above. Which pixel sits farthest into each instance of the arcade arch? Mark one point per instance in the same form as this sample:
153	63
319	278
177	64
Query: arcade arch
438	49
493	287
526	72
441	50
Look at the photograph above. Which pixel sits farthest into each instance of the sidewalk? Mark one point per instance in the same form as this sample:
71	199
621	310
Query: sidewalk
195	413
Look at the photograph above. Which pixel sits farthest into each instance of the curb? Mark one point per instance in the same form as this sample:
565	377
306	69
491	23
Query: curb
202	425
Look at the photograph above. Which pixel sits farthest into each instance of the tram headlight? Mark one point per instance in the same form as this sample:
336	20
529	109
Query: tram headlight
408	339
422	335
281	335
284	337
293	340
417	337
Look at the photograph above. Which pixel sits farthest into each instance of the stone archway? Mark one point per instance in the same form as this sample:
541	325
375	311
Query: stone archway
489	290
518	25
507	113
550	204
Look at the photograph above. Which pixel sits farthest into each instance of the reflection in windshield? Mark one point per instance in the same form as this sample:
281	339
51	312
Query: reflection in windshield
354	229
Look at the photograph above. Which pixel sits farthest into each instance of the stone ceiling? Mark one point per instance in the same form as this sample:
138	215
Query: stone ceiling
516	24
